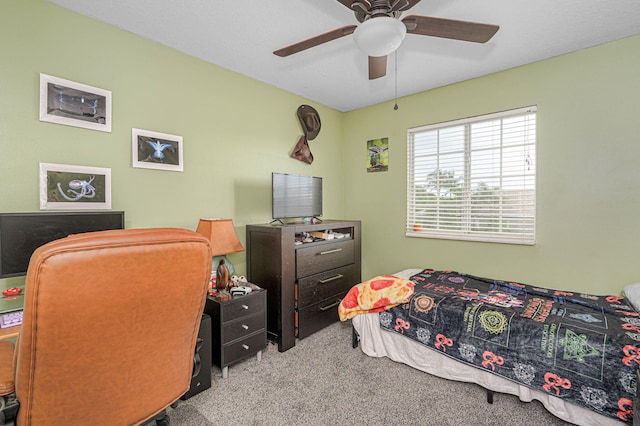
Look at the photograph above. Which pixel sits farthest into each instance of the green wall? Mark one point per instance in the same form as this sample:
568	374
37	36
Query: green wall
588	184
236	130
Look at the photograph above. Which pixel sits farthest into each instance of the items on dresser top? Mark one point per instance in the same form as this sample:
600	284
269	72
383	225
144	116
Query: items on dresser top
238	327
305	280
315	236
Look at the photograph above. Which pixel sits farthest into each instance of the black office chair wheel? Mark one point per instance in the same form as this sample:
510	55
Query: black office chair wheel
163	420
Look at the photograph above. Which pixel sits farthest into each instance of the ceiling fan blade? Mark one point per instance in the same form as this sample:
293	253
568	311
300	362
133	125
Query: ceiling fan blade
315	41
449	28
377	67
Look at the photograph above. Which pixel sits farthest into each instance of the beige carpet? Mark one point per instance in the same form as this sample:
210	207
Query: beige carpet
323	381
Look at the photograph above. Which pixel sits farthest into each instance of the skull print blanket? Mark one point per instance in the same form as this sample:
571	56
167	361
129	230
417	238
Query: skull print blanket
578	347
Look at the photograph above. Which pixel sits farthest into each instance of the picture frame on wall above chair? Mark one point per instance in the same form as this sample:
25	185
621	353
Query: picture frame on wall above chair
74	104
71	187
155	150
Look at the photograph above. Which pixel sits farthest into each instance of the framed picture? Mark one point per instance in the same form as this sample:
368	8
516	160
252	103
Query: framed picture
378	155
154	150
74	104
65	187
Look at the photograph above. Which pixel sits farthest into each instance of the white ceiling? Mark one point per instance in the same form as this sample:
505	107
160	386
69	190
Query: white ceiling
241	35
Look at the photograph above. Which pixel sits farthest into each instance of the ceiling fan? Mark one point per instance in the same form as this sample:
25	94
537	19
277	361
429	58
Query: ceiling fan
381	31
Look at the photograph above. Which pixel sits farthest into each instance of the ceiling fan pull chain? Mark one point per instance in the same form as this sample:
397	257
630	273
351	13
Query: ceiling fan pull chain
395	65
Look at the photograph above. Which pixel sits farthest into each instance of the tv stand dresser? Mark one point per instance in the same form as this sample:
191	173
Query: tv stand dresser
305	281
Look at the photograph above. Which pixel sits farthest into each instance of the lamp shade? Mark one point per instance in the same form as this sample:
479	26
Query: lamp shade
221	234
379	36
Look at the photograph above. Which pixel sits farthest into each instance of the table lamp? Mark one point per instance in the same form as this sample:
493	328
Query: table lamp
222	236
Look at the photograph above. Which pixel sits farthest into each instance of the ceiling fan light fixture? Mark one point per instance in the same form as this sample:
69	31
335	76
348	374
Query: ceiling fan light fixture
379	36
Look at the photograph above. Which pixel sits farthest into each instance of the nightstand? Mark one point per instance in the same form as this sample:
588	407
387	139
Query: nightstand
238	328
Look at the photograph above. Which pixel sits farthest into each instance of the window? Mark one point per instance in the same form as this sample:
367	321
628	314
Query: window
474	179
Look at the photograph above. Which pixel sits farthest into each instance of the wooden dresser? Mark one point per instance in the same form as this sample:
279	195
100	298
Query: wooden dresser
305	281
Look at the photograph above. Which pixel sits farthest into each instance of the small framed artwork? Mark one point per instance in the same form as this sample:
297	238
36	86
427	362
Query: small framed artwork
378	155
65	187
74	104
154	150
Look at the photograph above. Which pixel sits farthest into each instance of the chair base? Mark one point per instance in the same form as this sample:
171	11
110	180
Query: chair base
160	419
9	406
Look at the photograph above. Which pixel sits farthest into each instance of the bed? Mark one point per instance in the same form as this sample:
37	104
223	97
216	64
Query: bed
467	328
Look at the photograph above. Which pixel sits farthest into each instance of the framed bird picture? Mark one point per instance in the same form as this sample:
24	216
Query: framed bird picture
154	150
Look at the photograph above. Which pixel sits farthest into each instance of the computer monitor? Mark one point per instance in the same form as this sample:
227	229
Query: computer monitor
22	233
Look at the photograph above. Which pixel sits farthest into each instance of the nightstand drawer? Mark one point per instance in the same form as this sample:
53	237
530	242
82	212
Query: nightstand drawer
326	284
322	257
243	348
242	306
234	330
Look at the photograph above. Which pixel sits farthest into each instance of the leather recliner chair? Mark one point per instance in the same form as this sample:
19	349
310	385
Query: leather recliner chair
109	327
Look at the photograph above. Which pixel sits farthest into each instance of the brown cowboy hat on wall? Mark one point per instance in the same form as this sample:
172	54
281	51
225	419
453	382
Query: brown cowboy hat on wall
302	152
309	120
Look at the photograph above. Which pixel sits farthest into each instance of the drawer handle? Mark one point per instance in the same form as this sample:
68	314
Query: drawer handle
246	348
245	326
324	308
245	307
322	253
328	280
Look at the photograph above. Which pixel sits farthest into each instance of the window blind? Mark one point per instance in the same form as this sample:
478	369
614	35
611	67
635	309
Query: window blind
474	179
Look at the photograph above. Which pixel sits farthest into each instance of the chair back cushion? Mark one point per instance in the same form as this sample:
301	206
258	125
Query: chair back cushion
110	325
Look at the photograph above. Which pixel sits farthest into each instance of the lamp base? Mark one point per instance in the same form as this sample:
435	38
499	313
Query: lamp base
215	261
223	296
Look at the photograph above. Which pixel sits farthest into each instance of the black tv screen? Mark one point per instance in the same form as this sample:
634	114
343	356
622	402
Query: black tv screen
296	196
22	233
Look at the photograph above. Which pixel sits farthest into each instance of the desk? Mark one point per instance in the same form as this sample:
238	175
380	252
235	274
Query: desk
9	333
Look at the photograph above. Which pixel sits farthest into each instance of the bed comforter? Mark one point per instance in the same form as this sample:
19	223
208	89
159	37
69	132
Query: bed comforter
579	347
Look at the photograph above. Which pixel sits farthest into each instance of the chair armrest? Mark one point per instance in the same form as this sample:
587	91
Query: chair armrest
7	384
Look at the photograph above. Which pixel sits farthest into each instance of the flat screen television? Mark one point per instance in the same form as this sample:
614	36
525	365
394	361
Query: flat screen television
296	196
22	233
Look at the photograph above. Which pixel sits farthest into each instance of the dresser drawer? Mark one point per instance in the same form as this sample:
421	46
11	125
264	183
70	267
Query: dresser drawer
243	348
233	330
319	315
242	306
320	286
322	257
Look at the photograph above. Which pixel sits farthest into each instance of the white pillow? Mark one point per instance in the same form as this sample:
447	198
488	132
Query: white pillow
632	292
